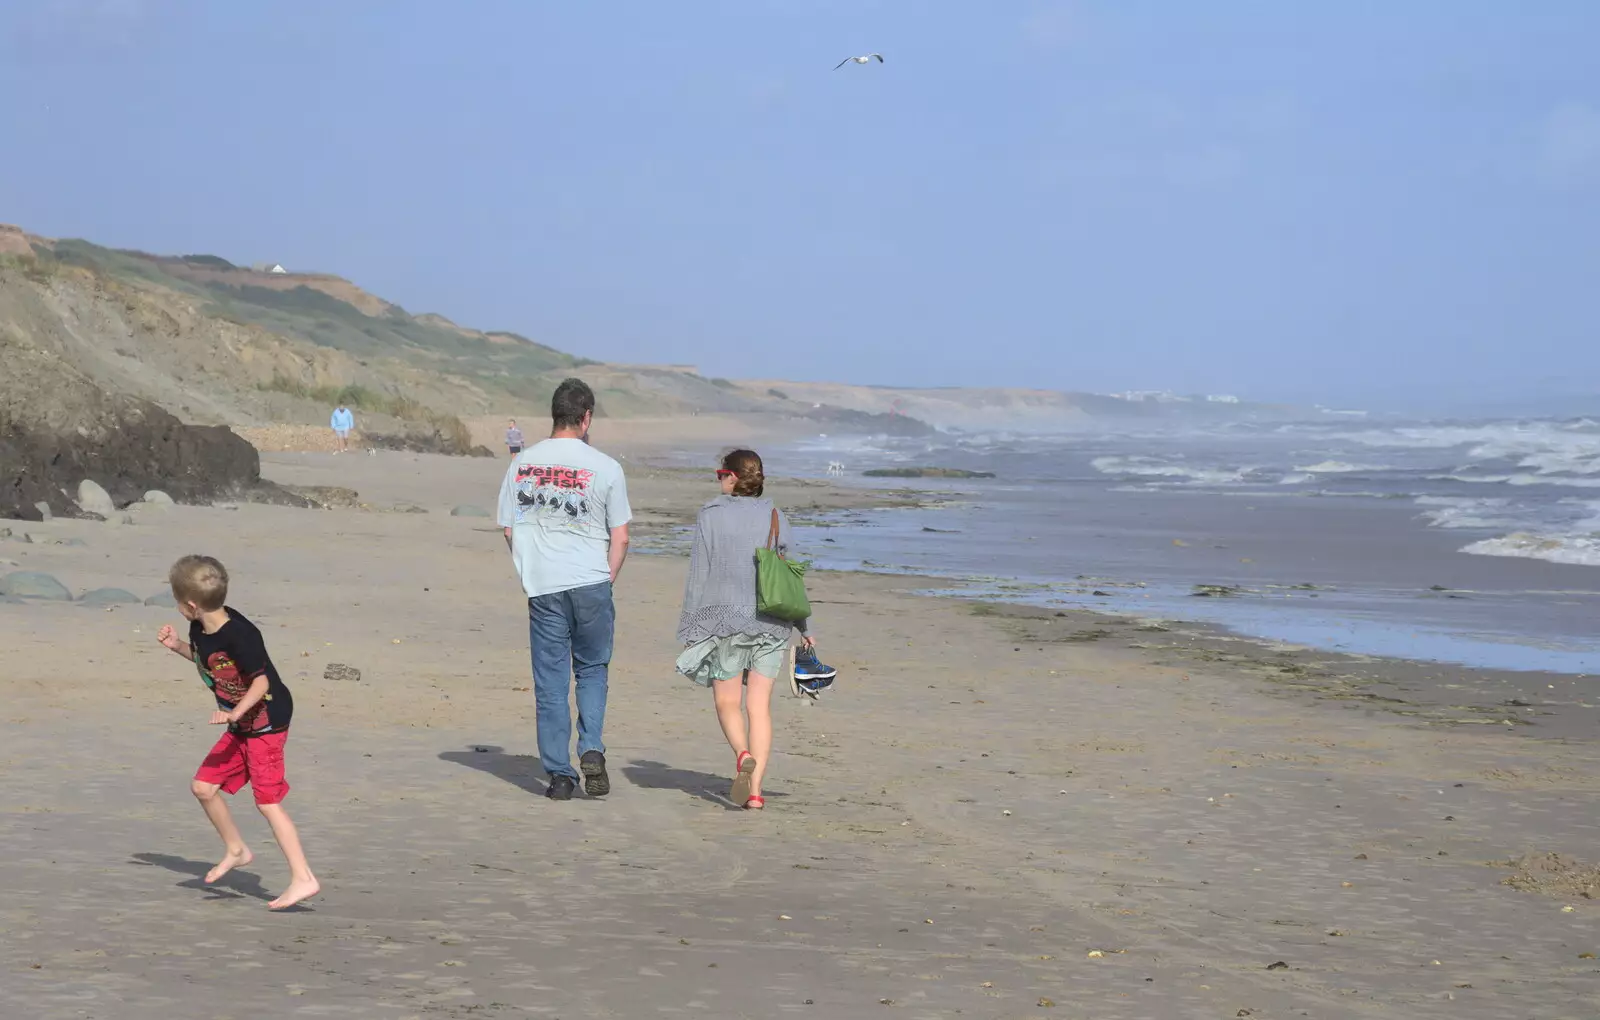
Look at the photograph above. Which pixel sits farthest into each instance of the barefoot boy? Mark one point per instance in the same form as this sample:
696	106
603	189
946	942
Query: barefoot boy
255	706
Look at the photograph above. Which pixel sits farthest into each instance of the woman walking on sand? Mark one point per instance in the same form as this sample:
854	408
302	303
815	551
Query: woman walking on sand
729	647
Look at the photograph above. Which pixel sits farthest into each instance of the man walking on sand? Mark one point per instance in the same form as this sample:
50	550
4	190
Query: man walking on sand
564	508
514	438
341	423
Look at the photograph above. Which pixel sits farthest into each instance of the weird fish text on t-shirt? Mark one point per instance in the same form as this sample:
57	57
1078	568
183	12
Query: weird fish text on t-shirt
561	498
552	490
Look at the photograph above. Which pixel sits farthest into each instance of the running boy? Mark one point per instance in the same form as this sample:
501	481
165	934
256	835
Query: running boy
254	704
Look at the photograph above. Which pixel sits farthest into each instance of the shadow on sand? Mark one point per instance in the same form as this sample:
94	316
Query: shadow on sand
654	775
525	773
236	884
520	770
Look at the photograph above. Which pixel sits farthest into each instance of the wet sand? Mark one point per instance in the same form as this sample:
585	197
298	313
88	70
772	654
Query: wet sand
989	816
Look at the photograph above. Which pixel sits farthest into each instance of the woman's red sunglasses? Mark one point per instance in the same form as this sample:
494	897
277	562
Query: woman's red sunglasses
725	473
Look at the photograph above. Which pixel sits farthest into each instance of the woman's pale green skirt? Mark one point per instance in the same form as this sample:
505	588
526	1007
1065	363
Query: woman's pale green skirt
723	658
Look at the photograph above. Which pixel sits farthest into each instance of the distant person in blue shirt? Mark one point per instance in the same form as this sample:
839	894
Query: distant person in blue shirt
342	422
514	438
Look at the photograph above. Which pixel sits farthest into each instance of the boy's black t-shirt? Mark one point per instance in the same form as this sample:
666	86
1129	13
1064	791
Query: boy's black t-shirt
229	661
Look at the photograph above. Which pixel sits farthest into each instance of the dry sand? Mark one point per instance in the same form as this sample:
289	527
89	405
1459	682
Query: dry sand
985	818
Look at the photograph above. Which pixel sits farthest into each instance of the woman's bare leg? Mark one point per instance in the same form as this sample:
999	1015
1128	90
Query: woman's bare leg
758	706
726	693
731	718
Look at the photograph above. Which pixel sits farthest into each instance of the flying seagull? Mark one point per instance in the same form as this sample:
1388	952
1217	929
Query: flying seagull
869	58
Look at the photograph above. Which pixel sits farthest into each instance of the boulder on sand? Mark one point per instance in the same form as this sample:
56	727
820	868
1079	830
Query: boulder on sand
155	497
128	446
163	600
468	510
31	584
94	499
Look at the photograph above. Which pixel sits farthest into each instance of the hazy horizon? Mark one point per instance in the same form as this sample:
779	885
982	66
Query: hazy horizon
1395	209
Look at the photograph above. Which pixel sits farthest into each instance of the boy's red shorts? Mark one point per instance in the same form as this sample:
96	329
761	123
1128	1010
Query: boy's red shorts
237	760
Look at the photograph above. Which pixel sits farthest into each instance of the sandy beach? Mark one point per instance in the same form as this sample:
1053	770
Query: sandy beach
997	812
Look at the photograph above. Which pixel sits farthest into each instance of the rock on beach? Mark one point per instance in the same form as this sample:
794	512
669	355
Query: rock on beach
32	584
94	499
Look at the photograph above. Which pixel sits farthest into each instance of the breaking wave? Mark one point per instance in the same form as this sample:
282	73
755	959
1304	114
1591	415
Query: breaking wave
1543	447
1150	467
1576	550
1339	467
1521	480
1465	512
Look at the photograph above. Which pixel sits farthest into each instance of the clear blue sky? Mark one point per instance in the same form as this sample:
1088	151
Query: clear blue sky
1337	200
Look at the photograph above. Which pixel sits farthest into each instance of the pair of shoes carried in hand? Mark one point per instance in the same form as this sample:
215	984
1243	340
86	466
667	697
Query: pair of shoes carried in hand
811	676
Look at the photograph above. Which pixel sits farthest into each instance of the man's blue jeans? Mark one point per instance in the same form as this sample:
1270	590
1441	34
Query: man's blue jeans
569	634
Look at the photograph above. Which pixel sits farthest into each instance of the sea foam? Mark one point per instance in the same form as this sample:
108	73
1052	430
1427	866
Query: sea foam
1577	550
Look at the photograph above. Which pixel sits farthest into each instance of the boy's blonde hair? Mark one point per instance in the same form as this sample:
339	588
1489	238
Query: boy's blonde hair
201	580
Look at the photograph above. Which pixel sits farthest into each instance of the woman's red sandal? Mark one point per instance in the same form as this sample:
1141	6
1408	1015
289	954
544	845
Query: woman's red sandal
743	766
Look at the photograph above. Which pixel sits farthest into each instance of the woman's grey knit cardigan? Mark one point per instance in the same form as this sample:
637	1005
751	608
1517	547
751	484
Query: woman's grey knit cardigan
719	599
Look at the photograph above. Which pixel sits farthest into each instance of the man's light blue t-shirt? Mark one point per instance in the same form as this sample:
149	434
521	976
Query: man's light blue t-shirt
561	498
342	420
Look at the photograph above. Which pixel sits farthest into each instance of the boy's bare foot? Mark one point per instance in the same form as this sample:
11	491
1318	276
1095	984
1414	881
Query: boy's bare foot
300	889
232	859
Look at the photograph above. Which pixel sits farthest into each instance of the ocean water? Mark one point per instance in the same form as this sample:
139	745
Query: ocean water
1466	542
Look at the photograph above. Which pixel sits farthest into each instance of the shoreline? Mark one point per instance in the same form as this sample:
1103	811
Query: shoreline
1383	574
1544	703
1414	624
1548	703
1540	704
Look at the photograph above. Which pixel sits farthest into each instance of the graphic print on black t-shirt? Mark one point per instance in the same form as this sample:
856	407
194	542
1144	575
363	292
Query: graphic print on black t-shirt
229	661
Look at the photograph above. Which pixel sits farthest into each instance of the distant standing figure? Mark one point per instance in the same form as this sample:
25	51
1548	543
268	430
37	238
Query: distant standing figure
342	422
728	646
564	508
514	438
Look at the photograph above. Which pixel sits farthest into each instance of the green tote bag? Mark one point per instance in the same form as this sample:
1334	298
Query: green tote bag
780	583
